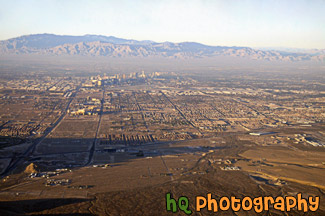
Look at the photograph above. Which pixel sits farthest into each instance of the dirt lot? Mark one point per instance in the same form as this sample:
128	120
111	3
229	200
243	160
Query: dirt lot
137	185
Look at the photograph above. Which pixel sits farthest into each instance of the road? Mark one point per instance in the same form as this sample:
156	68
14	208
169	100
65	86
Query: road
30	150
92	149
180	112
141	111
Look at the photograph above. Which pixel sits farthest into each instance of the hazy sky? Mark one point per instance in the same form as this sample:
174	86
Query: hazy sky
254	23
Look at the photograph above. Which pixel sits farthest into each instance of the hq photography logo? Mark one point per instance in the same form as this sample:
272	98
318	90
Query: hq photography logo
257	204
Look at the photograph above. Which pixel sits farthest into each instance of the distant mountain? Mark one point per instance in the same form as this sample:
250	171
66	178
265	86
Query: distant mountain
98	45
42	41
292	50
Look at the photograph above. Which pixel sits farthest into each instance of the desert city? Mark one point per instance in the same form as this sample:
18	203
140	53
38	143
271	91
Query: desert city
91	142
150	108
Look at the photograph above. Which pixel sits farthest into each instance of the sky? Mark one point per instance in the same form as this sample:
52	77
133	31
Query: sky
253	23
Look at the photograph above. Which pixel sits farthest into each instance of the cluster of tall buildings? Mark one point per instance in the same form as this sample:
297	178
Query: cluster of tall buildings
97	80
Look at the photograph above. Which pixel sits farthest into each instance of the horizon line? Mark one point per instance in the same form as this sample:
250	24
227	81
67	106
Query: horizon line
270	48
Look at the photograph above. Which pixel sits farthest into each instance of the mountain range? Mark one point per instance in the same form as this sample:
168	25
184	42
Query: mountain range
98	45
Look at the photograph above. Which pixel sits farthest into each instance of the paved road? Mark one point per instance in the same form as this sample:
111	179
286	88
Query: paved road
92	149
30	150
180	112
141	110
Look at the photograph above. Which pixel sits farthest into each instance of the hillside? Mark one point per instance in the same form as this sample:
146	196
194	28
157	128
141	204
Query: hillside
97	45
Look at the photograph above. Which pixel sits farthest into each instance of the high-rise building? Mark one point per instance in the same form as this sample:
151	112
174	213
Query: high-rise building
142	75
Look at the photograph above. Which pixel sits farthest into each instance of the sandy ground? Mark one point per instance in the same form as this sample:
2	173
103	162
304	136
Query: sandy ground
137	185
